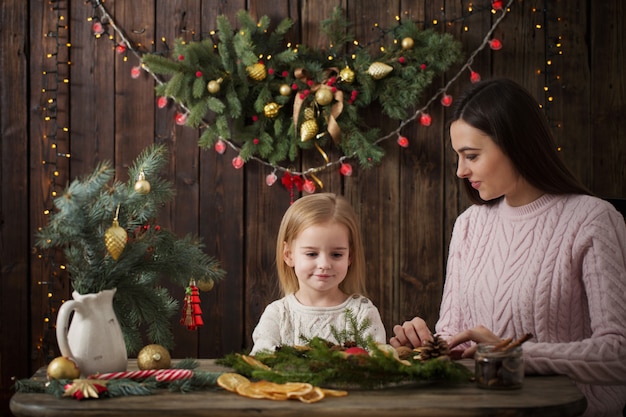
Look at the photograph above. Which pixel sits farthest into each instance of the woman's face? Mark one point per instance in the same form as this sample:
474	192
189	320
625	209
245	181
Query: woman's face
485	166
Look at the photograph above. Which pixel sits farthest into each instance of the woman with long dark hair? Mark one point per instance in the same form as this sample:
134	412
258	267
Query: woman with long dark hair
536	252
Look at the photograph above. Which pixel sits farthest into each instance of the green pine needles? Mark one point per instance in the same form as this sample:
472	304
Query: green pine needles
249	87
84	213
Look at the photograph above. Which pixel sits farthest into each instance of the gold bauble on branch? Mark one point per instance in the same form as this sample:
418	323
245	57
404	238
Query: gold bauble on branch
205	286
284	90
407	43
257	72
323	96
308	130
115	239
347	75
379	70
153	357
270	110
142	186
213	86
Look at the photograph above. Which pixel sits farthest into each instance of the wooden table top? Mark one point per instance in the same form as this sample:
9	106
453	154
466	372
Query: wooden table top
540	395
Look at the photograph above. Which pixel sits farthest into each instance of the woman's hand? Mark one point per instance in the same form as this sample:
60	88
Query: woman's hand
411	333
478	334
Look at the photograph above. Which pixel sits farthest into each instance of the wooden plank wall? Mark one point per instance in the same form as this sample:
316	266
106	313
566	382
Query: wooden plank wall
568	53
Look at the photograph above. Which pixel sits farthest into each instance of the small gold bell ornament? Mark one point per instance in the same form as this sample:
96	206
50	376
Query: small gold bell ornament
347	75
153	357
270	110
115	238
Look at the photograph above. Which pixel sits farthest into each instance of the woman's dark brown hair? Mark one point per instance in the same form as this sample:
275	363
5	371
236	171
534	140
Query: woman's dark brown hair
513	119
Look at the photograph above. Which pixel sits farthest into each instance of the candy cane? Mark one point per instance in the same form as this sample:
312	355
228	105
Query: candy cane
161	375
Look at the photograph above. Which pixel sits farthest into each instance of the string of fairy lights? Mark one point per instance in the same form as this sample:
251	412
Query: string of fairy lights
55	132
54	108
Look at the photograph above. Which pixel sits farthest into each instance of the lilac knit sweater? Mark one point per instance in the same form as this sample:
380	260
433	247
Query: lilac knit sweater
555	268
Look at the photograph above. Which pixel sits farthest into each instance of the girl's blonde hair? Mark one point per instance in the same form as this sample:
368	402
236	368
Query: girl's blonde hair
317	209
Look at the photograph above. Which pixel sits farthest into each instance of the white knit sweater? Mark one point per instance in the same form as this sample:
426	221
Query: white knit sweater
284	321
555	268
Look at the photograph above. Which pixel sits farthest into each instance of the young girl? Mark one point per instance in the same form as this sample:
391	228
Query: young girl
321	268
535	253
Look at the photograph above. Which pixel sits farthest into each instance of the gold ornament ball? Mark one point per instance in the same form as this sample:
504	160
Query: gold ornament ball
285	90
347	75
257	72
271	110
153	357
408	43
62	368
205	286
213	87
142	186
323	96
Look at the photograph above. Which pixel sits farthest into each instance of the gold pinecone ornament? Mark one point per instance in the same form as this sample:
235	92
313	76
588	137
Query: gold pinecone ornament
379	70
436	348
257	71
308	130
115	238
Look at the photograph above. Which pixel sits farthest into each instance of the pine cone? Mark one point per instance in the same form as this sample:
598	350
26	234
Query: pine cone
436	348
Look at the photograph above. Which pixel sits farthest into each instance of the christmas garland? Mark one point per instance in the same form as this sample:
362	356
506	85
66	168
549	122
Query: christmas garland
278	101
246	92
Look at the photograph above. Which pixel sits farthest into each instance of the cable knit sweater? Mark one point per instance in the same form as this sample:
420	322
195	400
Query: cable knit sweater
555	268
285	320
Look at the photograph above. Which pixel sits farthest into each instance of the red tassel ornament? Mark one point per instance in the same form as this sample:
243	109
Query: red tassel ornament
192	313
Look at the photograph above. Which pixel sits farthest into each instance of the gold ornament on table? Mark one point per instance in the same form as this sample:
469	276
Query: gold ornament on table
257	71
115	238
142	186
347	75
284	90
407	43
213	86
308	130
324	96
379	70
62	367
270	110
153	357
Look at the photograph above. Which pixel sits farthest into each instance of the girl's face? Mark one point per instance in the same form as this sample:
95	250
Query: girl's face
486	167
320	256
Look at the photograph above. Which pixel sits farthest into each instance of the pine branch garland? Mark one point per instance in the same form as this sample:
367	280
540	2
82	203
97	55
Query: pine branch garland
244	95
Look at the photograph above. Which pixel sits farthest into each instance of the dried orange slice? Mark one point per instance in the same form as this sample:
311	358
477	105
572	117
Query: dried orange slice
254	362
230	381
315	395
250	390
334	392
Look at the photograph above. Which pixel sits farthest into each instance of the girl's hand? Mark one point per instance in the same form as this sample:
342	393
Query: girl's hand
411	333
478	334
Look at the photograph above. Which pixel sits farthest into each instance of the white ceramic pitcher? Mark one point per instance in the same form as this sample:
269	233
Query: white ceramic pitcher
94	337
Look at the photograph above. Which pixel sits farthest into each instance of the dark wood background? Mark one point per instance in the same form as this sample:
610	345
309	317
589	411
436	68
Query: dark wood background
407	205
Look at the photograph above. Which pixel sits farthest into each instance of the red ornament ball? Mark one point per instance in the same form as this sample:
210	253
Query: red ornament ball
346	169
238	162
403	141
161	102
220	146
425	119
